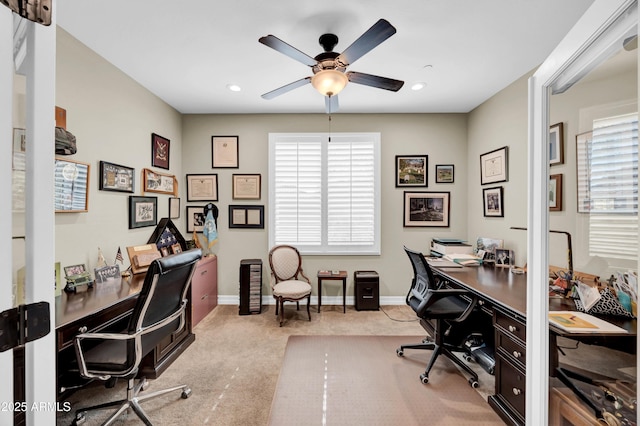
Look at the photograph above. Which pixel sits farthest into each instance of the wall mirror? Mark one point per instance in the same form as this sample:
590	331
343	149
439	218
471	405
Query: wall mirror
558	93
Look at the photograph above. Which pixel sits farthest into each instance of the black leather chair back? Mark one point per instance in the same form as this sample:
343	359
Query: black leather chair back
165	287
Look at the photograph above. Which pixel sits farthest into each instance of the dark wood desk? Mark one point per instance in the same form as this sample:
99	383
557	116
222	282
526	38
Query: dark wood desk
106	307
505	295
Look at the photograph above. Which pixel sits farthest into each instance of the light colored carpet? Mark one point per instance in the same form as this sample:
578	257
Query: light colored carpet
234	364
359	380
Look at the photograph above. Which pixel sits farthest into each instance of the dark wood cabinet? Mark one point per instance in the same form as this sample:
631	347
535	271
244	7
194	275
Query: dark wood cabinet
510	356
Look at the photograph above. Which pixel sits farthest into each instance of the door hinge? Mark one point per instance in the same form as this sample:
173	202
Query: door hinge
23	324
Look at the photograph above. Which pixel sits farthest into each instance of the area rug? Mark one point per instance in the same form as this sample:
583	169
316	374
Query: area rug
359	380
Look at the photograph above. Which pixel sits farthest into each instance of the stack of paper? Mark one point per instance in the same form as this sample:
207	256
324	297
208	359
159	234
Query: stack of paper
580	322
464	259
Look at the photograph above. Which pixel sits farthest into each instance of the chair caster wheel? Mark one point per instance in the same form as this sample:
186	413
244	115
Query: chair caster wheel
145	385
467	358
186	393
399	352
424	379
474	383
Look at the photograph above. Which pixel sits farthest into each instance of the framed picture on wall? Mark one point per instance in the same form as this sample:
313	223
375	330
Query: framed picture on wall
174	208
114	177
143	211
555	193
71	186
411	170
246	187
203	187
493	202
159	151
494	166
195	218
426	209
241	216
158	182
444	173
224	152
556	144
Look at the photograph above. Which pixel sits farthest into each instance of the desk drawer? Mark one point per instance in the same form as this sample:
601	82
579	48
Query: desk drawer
511	385
93	323
515	351
510	326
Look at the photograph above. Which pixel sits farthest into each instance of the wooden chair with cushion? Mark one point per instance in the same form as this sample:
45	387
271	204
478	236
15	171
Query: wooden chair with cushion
288	281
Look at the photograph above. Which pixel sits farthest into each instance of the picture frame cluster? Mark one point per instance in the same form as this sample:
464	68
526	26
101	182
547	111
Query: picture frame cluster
423	208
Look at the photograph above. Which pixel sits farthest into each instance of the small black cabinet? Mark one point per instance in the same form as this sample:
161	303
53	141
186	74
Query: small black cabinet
367	289
250	286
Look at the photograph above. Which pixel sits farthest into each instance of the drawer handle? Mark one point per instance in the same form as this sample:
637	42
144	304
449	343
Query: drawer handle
516	391
204	297
204	272
82	329
513	328
517	354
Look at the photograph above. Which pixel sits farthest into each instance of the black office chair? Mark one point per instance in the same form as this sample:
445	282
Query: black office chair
159	312
441	310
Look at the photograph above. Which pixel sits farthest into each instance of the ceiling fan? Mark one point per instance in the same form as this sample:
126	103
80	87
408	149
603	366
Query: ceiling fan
329	76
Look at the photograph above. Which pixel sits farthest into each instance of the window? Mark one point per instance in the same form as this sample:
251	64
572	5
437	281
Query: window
608	186
324	192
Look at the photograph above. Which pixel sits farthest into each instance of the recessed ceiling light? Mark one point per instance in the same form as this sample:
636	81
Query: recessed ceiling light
419	85
234	87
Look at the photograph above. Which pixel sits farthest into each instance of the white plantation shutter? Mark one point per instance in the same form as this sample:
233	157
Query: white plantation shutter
324	195
611	183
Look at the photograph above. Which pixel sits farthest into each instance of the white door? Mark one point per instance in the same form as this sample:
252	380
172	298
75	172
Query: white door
38	67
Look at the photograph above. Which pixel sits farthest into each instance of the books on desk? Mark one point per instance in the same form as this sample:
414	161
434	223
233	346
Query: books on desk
444	246
441	262
580	322
464	259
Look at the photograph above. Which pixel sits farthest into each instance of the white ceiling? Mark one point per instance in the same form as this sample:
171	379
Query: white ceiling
187	52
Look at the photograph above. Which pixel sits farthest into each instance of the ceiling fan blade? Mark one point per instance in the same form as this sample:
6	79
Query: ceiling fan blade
284	48
331	104
286	88
375	81
379	32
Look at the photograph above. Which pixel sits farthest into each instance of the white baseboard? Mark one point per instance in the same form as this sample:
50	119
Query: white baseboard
333	300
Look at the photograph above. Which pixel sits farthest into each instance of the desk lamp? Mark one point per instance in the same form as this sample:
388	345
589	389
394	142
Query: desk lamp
569	248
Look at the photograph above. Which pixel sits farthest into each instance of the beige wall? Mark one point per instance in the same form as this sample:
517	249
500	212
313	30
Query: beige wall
113	118
502	121
441	136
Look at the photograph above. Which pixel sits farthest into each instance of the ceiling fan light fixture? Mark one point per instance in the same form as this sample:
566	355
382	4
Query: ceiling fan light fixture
329	82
